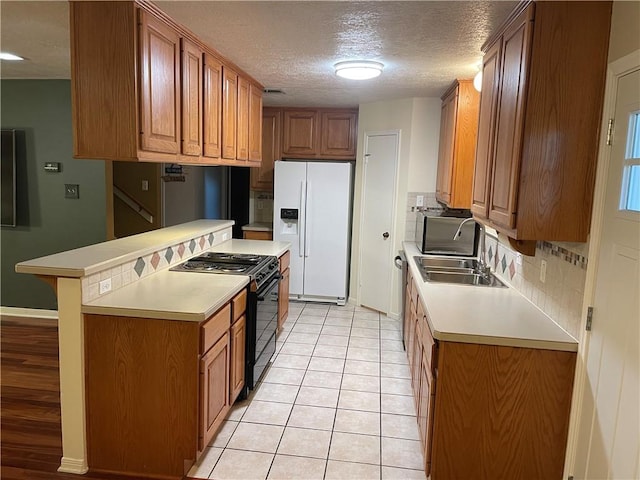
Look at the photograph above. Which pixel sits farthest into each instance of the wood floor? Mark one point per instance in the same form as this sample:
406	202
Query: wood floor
30	435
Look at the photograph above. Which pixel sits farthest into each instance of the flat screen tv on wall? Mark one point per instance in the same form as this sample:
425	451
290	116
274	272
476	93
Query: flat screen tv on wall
8	178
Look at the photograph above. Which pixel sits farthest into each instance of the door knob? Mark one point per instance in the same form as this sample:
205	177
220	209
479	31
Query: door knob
385	235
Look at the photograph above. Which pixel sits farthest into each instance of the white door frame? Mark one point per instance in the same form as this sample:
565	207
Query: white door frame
397	134
615	70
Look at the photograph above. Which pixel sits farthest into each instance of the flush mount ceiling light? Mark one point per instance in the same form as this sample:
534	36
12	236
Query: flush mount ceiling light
358	69
9	56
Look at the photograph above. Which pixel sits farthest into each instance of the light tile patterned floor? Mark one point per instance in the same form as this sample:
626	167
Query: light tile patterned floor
335	404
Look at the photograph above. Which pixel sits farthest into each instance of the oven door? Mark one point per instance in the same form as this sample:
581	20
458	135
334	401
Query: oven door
266	326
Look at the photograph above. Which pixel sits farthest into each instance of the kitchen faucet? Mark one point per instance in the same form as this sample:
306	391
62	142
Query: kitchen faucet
484	268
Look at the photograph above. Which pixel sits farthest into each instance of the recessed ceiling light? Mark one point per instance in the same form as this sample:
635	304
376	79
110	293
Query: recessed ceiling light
9	56
358	69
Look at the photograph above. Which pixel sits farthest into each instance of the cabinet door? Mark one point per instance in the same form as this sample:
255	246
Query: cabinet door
339	134
191	99
510	118
212	107
262	177
255	124
159	86
214	389
242	132
486	130
300	138
283	298
238	336
447	138
229	112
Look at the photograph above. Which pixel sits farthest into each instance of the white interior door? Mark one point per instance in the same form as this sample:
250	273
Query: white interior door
376	235
609	429
327	229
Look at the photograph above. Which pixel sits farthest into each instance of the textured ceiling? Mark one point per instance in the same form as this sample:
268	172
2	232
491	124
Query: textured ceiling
292	45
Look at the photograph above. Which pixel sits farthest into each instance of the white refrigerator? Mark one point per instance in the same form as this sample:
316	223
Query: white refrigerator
312	211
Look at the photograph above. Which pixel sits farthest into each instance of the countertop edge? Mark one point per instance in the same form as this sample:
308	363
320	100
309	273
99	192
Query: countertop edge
568	346
32	266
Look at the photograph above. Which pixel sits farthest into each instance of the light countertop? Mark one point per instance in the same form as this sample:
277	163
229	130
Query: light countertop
94	258
486	315
258	247
170	295
259	227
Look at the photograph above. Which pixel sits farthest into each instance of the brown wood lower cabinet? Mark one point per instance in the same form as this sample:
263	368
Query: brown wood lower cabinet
487	411
238	337
257	235
158	390
214	388
283	291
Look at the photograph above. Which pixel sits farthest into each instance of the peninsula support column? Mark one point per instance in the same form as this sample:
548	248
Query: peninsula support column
72	401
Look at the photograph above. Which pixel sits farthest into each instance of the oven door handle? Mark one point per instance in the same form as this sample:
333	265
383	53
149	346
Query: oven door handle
275	281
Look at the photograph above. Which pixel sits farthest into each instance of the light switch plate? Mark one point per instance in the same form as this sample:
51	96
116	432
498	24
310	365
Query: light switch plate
71	190
420	201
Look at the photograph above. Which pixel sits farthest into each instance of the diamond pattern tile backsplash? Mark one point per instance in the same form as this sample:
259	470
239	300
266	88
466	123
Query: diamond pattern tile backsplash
132	271
560	296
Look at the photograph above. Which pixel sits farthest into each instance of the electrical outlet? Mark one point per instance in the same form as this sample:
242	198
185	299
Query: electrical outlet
543	271
145	185
420	201
71	190
260	204
105	286
225	236
518	259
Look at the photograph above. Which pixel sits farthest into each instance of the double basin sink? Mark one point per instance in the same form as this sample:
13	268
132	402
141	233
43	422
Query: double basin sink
463	271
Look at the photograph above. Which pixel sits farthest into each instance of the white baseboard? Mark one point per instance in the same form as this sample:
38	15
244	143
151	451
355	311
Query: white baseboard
73	465
29	312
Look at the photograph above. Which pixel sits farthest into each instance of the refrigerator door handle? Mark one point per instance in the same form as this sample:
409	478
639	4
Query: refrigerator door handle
302	226
307	233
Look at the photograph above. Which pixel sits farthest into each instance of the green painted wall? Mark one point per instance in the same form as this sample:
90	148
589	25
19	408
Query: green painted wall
47	222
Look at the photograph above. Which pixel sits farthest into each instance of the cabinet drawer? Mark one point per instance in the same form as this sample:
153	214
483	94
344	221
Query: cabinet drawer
215	327
284	261
239	303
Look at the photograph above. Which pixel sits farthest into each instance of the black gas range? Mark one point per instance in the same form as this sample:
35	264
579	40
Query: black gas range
262	302
259	267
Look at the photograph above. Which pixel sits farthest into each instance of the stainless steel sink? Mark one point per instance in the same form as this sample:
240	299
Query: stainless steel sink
488	280
462	271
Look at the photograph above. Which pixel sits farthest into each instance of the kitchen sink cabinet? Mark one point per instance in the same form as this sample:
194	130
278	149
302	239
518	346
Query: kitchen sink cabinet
262	177
327	134
487	411
157	391
146	89
458	133
283	291
538	136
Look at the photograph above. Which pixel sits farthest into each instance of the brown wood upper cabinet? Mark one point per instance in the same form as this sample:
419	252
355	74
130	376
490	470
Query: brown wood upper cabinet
159	86
255	124
212	107
262	177
320	133
192	96
146	89
458	132
538	135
